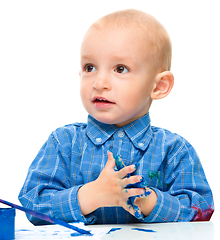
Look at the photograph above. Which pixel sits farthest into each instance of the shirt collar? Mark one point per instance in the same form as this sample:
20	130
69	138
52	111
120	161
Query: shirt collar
99	132
138	131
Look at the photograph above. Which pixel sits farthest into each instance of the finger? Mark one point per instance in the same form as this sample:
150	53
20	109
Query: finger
128	207
131	182
119	163
146	193
111	161
121	184
137	211
137	165
132	192
125	171
133	210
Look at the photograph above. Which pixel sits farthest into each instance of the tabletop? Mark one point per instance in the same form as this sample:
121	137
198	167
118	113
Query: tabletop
167	231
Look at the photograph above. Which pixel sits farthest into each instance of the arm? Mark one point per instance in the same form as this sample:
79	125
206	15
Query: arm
185	194
47	187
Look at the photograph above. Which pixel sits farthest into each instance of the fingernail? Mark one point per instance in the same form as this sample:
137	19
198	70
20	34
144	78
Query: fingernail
136	165
109	153
133	167
139	178
142	191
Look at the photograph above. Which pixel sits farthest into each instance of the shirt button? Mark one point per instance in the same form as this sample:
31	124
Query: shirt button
98	140
140	144
121	134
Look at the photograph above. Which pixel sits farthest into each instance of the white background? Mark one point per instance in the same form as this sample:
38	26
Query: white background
39	80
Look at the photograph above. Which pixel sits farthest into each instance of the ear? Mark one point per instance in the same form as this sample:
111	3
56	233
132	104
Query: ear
163	85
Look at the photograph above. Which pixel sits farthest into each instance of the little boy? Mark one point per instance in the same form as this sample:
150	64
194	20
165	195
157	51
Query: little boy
125	65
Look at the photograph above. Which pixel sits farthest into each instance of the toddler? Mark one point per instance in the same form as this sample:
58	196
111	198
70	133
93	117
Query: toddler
125	65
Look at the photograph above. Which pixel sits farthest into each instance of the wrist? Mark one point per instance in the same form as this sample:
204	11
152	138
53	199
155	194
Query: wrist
88	198
148	203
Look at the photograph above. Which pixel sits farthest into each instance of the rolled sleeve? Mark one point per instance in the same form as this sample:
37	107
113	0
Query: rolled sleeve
47	188
66	207
167	208
186	195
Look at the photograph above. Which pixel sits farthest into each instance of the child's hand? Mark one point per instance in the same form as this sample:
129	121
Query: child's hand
145	205
142	204
109	189
111	185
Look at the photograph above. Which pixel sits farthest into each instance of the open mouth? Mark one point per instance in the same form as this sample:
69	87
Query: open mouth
101	102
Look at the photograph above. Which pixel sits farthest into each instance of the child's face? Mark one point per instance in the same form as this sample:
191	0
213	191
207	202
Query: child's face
116	75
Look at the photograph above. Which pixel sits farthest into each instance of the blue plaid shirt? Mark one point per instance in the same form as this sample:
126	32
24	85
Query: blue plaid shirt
76	154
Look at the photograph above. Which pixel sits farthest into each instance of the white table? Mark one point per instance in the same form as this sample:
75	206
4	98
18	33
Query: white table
162	231
167	231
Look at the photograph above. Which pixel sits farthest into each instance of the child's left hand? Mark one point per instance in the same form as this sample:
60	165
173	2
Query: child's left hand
142	204
146	204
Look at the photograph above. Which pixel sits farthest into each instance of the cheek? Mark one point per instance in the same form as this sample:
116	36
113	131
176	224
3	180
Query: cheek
136	99
84	92
131	96
81	91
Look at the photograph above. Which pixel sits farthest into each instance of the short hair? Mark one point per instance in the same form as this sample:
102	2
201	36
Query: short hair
157	38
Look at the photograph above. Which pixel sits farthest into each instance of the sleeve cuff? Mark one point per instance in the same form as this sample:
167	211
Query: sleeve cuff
167	208
65	206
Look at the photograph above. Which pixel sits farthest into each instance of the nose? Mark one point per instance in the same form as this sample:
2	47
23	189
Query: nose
102	81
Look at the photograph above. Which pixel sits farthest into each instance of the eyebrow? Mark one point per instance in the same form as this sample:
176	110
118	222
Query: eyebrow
113	57
122	58
87	56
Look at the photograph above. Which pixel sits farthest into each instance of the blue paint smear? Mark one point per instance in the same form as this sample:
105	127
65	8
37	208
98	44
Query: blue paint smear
119	163
143	230
113	230
76	234
24	230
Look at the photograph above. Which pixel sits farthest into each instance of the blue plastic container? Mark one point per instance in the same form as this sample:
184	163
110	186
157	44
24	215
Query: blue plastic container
7	223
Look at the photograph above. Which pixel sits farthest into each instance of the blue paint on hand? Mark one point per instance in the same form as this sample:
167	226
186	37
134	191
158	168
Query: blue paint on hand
147	193
119	163
142	184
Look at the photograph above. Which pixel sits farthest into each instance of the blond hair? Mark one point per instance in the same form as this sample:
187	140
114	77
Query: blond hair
151	30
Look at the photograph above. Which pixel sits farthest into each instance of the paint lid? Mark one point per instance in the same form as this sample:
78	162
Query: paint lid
7	213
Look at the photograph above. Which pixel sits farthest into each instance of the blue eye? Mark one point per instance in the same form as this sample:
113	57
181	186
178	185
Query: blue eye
90	68
121	69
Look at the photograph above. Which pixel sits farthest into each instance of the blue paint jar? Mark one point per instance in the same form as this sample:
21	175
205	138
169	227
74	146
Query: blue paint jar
7	223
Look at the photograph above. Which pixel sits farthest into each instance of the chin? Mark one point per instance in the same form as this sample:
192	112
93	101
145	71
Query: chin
104	119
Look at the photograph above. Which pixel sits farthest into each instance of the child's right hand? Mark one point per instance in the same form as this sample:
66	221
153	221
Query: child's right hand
109	189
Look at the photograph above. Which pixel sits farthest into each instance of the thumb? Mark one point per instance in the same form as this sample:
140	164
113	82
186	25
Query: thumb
111	161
